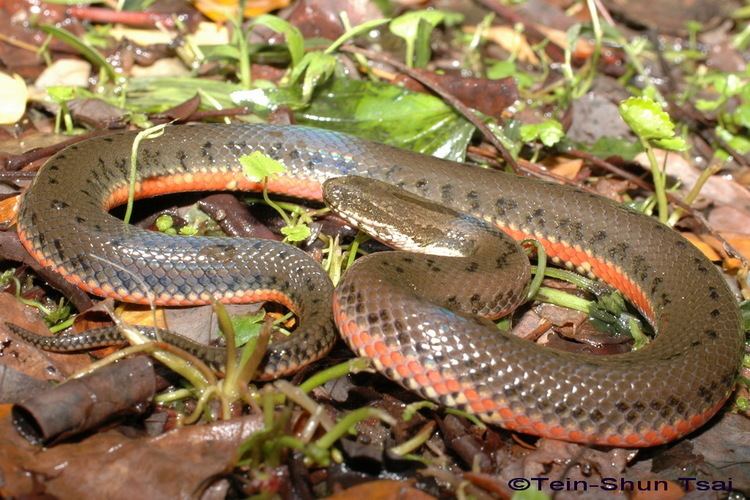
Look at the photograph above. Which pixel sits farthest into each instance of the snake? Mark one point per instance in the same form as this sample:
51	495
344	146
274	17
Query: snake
416	316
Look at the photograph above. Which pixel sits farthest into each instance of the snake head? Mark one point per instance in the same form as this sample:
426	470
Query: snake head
401	219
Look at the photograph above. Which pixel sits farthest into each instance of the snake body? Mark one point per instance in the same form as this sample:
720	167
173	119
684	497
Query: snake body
641	398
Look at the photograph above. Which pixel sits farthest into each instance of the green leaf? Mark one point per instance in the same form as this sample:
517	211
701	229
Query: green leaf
354	32
741	115
318	68
164	222
298	232
83	48
295	42
530	494
376	111
247	327
156	94
672	144
646	118
504	69
220	52
549	132
740	143
256	166
62	93
415	28
606	147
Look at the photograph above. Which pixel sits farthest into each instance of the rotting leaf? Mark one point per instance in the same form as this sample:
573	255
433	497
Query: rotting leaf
178	464
376	111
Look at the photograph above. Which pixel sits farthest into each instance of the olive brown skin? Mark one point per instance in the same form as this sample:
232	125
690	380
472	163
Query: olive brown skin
641	398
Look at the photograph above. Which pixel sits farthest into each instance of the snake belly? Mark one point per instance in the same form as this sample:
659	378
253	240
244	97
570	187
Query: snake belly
641	398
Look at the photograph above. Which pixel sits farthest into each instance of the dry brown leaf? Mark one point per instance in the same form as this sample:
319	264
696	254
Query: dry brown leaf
26	358
716	189
178	464
705	248
221	10
510	40
567	168
382	490
9	210
729	218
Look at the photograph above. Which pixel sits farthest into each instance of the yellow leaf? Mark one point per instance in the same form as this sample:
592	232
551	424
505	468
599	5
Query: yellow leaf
221	10
705	248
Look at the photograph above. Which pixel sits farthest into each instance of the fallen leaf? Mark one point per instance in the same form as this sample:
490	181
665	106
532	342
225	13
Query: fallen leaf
68	72
9	210
13	96
384	489
729	218
567	168
26	358
716	189
178	464
221	10
510	40
705	248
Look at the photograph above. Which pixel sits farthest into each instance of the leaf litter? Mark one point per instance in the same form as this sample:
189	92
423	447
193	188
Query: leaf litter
546	78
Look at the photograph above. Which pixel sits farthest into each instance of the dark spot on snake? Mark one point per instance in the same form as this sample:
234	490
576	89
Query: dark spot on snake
55	168
398	325
52	180
452	300
80	219
577	413
407	259
372	318
639	406
399	269
622	406
655	405
728	380
420	183
359	308
715	313
181	157
711	334
58	204
713	293
107	139
503	205
655	284
560	408
98	227
384	316
294	154
665	412
705	394
446	192
695	343
473	199
681	408
599	236
58	247
472	267
631	417
679	243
